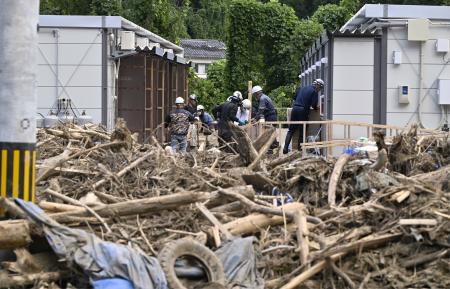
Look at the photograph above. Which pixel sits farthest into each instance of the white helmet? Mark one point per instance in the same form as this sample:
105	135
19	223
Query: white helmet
193	96
256	89
200	107
246	103
238	94
179	100
319	82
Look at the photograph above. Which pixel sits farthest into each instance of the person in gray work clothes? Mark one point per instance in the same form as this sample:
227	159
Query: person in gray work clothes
266	109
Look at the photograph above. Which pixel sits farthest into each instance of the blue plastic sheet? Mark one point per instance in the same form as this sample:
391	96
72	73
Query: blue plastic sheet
98	259
113	283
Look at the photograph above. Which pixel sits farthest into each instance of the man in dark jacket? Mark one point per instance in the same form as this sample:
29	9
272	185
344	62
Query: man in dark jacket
305	98
192	104
178	122
226	115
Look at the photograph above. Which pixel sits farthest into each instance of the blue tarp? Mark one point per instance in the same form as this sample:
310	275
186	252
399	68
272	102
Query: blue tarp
98	259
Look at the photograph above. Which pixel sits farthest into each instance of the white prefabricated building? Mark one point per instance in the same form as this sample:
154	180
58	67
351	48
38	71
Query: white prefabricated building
79	66
389	64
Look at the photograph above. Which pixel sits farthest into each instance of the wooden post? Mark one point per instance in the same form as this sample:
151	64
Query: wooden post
249	97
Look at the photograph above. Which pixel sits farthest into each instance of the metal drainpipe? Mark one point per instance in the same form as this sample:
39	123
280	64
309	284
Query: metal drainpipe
56	36
18	71
422	46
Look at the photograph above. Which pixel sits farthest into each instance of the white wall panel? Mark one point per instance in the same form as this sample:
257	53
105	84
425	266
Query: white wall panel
409	74
82	75
352	78
429	104
407	119
353	51
70	35
71	54
353	102
87	97
411	52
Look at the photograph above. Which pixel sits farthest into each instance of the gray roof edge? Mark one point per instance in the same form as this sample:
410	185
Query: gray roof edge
373	11
81	21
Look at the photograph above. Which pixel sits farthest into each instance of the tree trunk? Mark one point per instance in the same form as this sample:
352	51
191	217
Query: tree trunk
14	234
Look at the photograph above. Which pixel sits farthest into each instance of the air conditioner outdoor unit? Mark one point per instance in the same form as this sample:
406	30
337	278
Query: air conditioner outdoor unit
141	42
153	44
127	40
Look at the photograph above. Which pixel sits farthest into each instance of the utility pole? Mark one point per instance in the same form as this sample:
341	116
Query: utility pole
18	107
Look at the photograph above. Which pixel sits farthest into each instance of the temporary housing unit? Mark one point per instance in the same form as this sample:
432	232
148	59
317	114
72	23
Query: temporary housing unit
84	66
203	52
389	64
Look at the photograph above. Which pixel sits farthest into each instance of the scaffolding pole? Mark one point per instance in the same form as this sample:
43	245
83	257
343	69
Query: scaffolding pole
18	70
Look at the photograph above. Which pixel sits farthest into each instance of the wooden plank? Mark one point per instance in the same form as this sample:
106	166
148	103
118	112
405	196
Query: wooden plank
214	220
418	222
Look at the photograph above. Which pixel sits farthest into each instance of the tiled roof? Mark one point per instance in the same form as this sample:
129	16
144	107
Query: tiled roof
203	48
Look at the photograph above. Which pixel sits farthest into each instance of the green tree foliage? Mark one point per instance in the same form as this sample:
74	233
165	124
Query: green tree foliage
206	19
162	17
333	16
65	7
210	91
265	43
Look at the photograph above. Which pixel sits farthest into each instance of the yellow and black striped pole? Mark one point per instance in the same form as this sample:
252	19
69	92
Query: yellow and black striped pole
18	70
18	171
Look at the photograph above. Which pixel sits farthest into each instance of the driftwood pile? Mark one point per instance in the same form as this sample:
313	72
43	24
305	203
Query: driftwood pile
319	223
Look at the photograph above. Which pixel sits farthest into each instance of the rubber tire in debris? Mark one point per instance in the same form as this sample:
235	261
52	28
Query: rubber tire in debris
184	247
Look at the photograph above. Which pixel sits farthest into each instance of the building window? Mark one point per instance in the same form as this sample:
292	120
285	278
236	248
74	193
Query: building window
201	68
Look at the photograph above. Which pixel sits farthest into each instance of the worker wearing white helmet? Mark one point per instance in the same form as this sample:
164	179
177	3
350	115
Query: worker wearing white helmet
266	109
192	104
178	122
306	98
243	113
204	117
238	94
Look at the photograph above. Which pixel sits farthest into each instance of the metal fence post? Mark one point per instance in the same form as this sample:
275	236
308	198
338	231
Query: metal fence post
18	71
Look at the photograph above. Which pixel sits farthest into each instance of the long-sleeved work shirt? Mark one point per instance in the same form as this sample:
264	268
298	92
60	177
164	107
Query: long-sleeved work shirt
266	109
307	97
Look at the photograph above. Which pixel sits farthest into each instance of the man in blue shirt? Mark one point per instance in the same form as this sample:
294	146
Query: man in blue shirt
305	98
204	117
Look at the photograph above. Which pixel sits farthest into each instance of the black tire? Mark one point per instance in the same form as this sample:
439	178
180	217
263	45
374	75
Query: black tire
184	247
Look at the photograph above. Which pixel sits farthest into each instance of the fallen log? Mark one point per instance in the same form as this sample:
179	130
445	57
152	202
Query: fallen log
262	152
14	234
149	205
417	222
30	279
244	144
285	159
263	138
334	254
422	259
302	236
335	177
255	222
52	207
214	221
